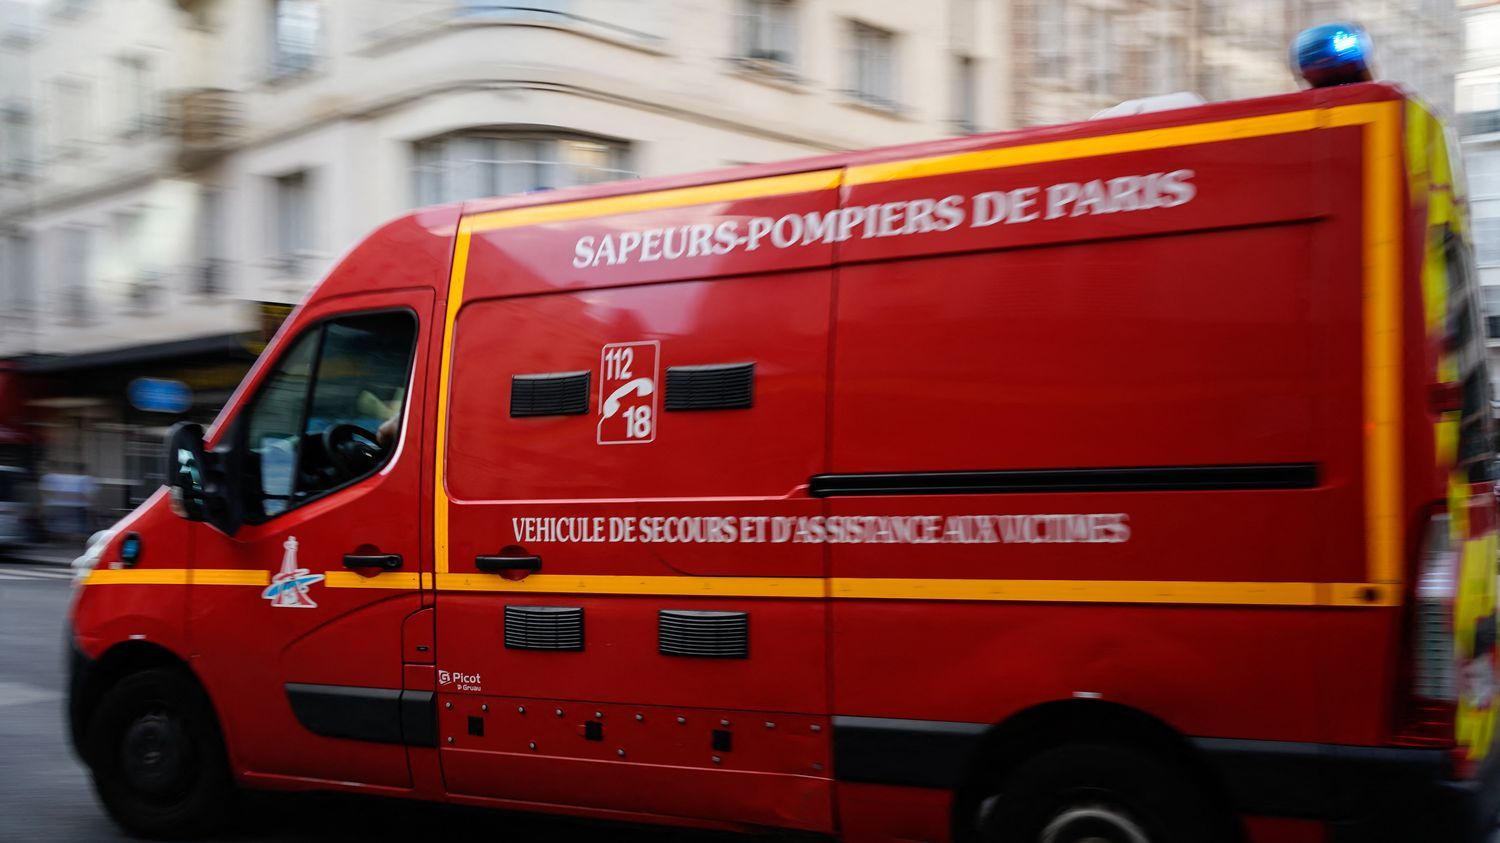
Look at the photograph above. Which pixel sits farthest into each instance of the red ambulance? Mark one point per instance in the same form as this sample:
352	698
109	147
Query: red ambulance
1122	481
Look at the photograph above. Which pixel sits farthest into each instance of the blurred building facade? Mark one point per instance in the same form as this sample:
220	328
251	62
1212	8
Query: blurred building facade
1478	92
1076	57
175	173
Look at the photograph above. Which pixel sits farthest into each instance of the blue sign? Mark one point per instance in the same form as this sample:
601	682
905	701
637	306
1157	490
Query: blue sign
159	395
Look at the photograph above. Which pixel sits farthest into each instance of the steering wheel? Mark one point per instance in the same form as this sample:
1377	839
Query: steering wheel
351	449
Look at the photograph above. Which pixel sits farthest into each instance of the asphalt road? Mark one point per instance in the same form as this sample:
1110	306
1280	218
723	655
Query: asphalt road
45	793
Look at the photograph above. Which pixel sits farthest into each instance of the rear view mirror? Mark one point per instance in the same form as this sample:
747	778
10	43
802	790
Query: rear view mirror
185	471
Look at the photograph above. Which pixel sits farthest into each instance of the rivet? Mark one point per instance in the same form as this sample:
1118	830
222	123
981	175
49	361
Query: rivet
718	760
817	728
640	718
681	719
520	709
450	739
533	746
817	766
447	705
484	706
558	712
770	725
598	715
620	752
723	722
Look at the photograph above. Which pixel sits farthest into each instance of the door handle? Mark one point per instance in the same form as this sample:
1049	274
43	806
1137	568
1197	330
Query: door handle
385	561
497	564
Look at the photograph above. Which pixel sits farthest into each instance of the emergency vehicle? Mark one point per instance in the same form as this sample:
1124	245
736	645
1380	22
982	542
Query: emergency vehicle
1123	481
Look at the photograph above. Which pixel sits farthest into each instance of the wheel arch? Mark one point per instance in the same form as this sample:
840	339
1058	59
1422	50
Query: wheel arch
91	679
1026	733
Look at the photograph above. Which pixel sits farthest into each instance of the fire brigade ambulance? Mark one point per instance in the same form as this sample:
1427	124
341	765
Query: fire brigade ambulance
1119	481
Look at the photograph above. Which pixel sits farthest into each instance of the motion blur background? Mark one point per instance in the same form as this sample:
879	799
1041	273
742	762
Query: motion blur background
176	174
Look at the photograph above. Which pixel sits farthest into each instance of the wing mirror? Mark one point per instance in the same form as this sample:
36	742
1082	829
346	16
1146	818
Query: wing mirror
196	481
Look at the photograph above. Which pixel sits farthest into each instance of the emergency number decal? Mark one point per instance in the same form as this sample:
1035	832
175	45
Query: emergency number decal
627	392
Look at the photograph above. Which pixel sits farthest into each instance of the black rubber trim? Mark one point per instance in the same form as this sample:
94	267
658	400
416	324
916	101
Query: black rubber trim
914	753
1146	479
377	715
80	672
419	718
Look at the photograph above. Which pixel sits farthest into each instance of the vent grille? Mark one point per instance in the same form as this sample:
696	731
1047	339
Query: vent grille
711	635
544	627
558	394
719	387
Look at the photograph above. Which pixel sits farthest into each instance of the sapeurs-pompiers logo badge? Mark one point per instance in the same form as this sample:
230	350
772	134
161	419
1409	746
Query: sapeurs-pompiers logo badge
288	589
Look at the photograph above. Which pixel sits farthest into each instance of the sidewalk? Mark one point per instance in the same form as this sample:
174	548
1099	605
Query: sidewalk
60	553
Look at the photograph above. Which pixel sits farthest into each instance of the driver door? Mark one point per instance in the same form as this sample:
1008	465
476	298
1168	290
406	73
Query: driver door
300	642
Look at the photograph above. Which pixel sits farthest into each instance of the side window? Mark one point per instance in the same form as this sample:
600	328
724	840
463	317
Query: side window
330	413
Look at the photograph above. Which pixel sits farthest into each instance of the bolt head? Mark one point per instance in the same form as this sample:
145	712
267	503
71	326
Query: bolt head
640	718
450	739
681	719
598	715
817	766
520	709
532	745
770	725
620	752
558	712
817	728
723	722
484	706
447	705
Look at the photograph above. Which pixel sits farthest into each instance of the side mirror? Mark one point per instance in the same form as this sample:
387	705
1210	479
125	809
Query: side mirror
185	478
200	489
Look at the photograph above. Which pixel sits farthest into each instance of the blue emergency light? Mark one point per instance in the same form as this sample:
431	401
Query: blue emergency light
1332	54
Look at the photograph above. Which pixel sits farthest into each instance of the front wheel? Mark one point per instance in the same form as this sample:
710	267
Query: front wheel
1100	793
158	758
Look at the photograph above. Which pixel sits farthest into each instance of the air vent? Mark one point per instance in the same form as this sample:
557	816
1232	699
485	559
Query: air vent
544	628
711	635
557	394
728	386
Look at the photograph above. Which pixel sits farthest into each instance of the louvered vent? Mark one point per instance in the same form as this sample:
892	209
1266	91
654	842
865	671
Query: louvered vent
558	394
544	627
719	387
712	635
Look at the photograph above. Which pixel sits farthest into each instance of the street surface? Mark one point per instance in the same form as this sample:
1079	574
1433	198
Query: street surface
45	793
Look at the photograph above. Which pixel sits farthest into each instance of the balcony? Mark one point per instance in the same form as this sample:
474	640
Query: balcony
208	122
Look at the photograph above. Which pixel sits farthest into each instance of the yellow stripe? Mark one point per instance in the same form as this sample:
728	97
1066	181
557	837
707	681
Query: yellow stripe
230	577
662	586
387	579
137	576
455	300
680	197
1014	156
1011	591
1382	338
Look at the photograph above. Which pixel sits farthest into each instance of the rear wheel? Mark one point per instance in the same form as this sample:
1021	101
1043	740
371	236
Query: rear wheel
157	756
1099	793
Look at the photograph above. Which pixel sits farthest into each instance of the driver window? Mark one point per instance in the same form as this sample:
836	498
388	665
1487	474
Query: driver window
331	411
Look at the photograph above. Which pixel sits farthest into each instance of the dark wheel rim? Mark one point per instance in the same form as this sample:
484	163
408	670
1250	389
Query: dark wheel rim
156	755
1093	823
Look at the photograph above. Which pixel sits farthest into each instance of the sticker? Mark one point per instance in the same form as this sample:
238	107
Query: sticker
627	393
460	681
1033	528
289	588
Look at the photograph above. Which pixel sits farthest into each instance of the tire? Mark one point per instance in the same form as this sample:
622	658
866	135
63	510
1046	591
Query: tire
157	756
1100	792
